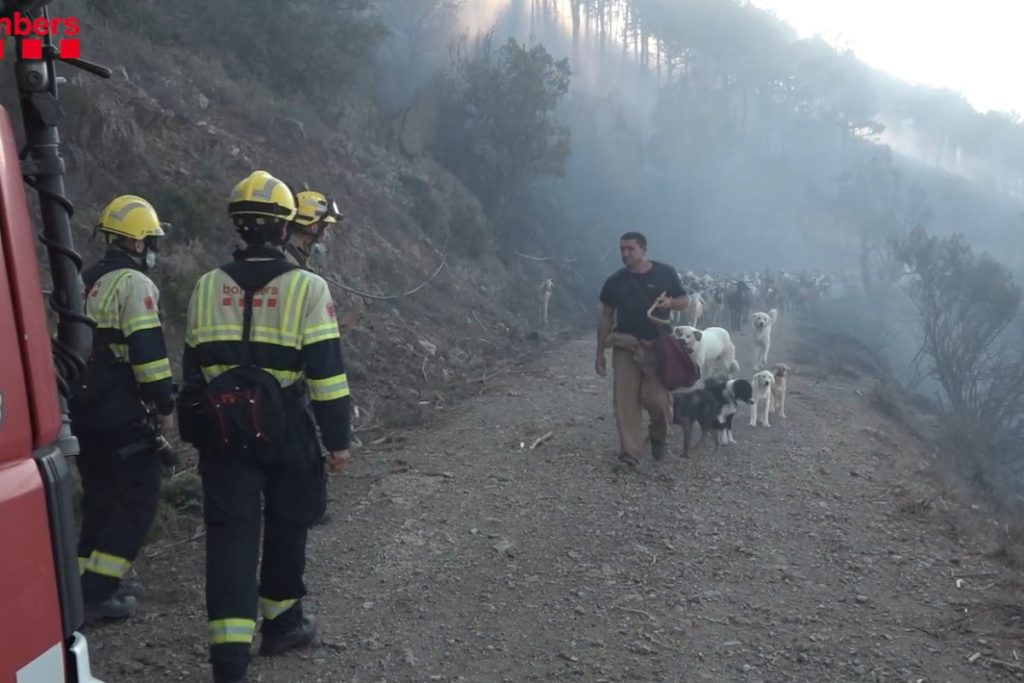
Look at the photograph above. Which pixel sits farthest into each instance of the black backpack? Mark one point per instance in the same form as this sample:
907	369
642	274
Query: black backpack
249	408
104	382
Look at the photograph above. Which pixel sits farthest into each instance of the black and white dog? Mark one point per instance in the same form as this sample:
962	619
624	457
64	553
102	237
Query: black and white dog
712	407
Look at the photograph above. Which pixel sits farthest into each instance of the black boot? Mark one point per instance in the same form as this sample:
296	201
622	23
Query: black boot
324	520
221	677
301	636
114	608
130	588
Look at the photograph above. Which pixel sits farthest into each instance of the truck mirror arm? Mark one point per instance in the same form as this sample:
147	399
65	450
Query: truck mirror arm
43	169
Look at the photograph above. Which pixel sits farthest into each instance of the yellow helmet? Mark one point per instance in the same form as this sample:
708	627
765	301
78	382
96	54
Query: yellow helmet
261	194
315	207
130	216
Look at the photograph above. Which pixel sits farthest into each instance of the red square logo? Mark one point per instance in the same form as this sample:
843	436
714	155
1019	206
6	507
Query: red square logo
257	303
148	303
226	301
330	311
70	48
271	303
31	48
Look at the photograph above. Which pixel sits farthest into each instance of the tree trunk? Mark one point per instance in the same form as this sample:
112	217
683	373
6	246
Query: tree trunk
576	4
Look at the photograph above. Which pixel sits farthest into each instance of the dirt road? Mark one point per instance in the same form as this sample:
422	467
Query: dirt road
456	554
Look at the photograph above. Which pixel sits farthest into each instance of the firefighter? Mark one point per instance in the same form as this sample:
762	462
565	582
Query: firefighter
119	406
262	332
315	212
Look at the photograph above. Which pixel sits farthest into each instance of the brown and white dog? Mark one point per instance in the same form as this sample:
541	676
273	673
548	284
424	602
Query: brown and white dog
780	370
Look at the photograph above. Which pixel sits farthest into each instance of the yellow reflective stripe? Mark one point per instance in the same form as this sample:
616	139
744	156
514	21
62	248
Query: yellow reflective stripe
107	565
232	631
294	306
284	377
146	321
212	333
272	609
207	299
328	389
105	319
82	562
321	332
230	332
212	371
112	289
152	372
191	317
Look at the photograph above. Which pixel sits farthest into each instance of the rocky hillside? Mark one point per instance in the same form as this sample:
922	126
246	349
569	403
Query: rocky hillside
180	128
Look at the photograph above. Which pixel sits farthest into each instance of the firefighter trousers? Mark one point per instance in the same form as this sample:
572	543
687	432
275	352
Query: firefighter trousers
120	495
293	497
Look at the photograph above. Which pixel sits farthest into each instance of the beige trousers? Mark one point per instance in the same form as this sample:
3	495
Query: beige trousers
637	388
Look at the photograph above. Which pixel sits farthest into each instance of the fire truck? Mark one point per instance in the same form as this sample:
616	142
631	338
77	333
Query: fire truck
42	608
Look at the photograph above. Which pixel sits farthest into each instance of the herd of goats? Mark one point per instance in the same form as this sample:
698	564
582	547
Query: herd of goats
728	301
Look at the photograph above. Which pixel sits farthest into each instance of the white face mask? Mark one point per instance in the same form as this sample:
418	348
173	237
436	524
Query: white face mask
318	249
149	260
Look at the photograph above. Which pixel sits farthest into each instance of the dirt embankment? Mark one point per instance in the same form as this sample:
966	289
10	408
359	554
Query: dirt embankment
818	549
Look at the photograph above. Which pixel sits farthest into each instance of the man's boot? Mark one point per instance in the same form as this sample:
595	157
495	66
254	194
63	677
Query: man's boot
658	450
324	520
301	636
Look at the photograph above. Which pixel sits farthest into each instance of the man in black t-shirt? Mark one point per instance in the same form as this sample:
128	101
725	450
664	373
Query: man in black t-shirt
625	328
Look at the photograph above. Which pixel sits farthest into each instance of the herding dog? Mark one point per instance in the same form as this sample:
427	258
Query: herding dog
780	370
763	337
708	346
763	382
712	407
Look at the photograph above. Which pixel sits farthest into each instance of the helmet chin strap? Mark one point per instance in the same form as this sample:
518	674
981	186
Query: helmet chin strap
146	258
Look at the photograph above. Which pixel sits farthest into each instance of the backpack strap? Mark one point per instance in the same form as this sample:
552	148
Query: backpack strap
252	277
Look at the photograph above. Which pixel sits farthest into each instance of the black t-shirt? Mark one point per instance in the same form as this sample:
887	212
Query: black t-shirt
631	305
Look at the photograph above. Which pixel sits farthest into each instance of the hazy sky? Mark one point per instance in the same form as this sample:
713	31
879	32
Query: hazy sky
972	46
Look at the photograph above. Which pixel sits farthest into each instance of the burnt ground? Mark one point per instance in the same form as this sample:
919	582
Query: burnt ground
823	548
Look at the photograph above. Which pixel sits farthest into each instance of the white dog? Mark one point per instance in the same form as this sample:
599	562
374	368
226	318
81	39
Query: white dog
780	370
763	337
708	346
545	299
763	382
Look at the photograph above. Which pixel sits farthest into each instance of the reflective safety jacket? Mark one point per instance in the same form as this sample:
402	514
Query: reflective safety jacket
294	337
124	302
